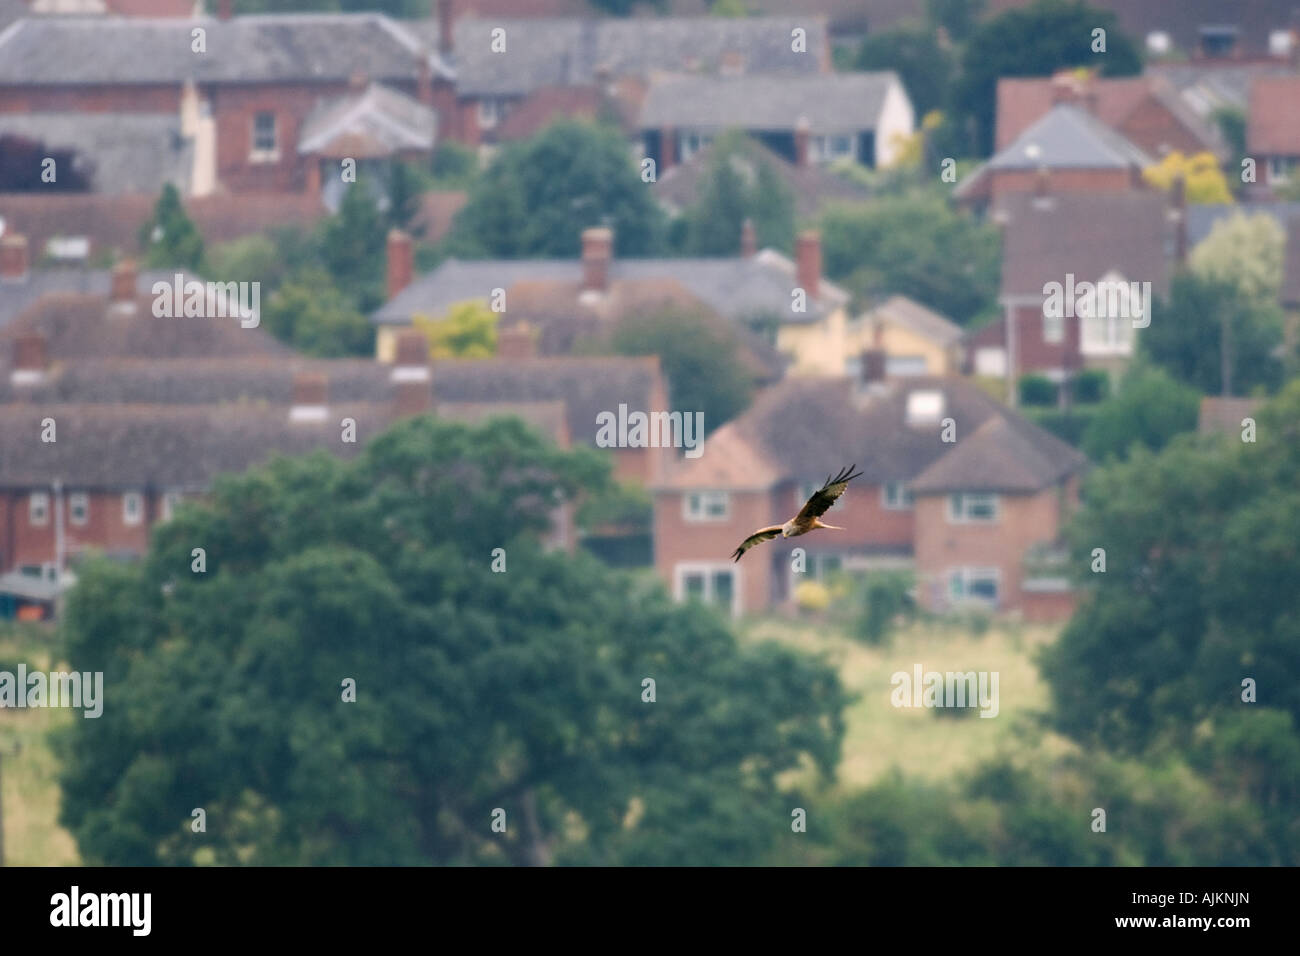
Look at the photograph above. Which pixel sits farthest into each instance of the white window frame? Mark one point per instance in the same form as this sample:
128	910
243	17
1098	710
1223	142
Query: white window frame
708	569
79	501
823	147
127	498
1053	328
263	154
171	500
1280	168
902	500
959	507
696	511
690	142
38	509
968	573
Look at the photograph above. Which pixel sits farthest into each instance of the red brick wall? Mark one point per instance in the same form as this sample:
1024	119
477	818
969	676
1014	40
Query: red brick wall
1032	353
1023	520
23	543
1151	126
1063	180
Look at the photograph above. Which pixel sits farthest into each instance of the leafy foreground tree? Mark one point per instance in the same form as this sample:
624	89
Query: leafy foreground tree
1149	410
475	690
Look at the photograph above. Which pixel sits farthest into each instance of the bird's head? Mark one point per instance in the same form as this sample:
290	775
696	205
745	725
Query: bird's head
786	529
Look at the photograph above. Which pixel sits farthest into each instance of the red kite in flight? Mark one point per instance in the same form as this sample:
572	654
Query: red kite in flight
809	516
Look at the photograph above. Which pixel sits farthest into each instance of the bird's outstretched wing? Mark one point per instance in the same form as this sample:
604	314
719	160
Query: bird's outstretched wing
821	500
758	537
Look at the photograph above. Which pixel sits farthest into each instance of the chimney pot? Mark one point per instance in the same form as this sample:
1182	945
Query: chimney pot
13	258
412	349
401	261
808	262
597	249
309	397
748	239
873	366
30	353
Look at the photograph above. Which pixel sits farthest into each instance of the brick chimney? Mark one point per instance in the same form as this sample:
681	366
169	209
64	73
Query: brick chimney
667	149
122	284
446	24
225	9
30	359
808	261
873	366
13	259
401	261
310	390
597	250
411	377
802	134
748	239
516	342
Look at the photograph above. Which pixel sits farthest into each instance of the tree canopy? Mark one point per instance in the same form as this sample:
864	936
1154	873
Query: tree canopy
521	690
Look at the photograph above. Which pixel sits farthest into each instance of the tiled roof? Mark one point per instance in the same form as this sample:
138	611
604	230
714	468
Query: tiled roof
736	287
116	152
830	102
570	52
812	186
15	297
378	121
1006	454
542	106
318	47
1087	234
1273	126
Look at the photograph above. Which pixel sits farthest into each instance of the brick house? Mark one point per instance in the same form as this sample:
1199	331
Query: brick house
1147	110
760	468
1273	131
1069	145
242	102
1070	238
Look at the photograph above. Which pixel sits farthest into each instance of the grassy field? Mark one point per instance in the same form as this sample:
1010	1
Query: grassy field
921	741
29	790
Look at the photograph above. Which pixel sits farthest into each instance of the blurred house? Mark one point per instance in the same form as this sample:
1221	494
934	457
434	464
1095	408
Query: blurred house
1273	130
815	118
971	517
1147	110
809	312
910	338
1067	145
1071	238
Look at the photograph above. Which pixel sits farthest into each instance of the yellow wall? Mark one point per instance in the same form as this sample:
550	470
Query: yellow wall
818	347
898	341
386	342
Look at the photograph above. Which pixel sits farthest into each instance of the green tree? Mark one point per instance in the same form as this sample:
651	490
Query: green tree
925	68
1201	587
916	245
311	314
169	237
1188	332
958	17
350	246
1149	410
539	195
1036	40
700	356
475	690
468	330
739	183
1247	250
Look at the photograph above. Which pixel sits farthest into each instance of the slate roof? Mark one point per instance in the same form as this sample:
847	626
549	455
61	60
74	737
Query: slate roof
1006	454
117	152
812	186
378	121
68	50
736	287
1069	137
1087	234
569	52
1207	86
797	429
830	102
15	297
